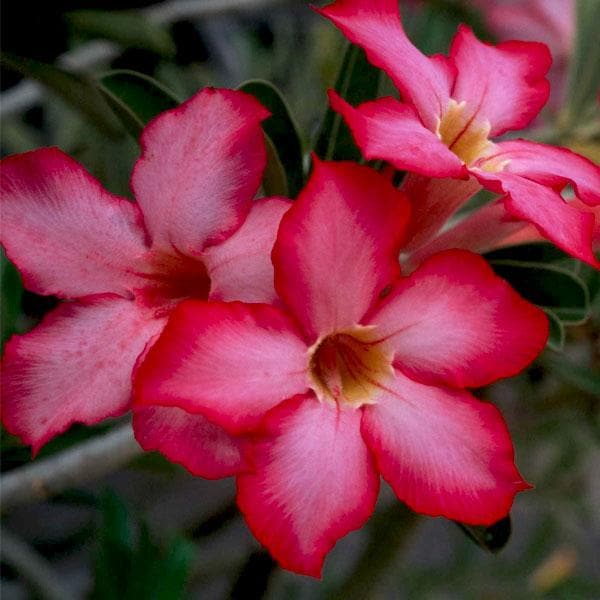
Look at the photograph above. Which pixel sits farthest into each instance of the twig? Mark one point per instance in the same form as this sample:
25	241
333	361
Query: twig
33	568
86	461
26	93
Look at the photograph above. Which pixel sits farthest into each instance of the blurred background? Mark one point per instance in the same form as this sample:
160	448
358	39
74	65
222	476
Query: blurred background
148	529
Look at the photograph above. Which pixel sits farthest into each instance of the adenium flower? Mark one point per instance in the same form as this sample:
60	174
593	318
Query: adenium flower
121	267
450	110
356	372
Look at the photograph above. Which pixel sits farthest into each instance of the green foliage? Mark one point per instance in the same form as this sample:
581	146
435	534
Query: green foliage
492	538
11	290
357	81
128	28
285	174
131	564
135	98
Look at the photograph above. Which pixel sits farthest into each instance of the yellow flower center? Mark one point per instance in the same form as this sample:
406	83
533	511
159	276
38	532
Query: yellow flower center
349	367
465	136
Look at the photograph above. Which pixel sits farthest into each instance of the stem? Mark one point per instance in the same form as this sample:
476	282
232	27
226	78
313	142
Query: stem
49	476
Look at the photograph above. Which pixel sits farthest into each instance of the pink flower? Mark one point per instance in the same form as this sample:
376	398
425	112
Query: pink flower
122	267
357	372
452	107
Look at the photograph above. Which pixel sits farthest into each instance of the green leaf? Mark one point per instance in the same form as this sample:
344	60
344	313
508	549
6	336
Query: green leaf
274	180
549	286
281	128
77	91
582	378
556	337
135	98
11	293
492	538
128	28
357	81
584	72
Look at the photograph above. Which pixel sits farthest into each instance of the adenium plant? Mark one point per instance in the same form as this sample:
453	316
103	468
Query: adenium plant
307	347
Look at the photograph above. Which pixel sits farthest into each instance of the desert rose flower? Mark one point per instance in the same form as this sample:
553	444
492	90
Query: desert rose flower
121	267
451	109
356	372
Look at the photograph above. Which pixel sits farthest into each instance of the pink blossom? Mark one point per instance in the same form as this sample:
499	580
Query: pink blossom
357	372
121	267
450	110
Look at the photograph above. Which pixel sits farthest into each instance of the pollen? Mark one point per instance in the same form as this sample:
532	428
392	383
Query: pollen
349	367
463	134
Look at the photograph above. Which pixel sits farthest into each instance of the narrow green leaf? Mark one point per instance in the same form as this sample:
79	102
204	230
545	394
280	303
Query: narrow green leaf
492	538
281	128
274	180
135	98
11	294
357	81
129	28
584	73
549	286
582	378
77	91
556	337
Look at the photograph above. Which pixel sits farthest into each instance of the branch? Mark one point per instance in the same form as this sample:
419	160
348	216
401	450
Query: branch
49	476
26	93
33	568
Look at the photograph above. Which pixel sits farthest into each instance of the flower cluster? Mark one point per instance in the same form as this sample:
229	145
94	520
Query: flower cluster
306	347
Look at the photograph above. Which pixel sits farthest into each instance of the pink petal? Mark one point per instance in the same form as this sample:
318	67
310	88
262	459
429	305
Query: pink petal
375	25
230	362
75	367
503	84
68	236
454	322
240	268
551	166
444	452
563	223
432	203
389	130
201	165
203	448
313	482
338	245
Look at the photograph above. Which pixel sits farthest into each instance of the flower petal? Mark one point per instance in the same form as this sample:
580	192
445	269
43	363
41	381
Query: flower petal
240	268
563	223
313	481
201	165
551	166
338	245
389	130
203	448
444	452
454	322
68	236
75	367
375	26
504	84
230	362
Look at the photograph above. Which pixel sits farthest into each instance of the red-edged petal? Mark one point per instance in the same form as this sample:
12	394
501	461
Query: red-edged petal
375	26
454	322
444	452
240	268
486	229
563	223
311	483
338	245
231	362
389	130
504	84
201	165
75	367
551	166
204	449
68	236
432	203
